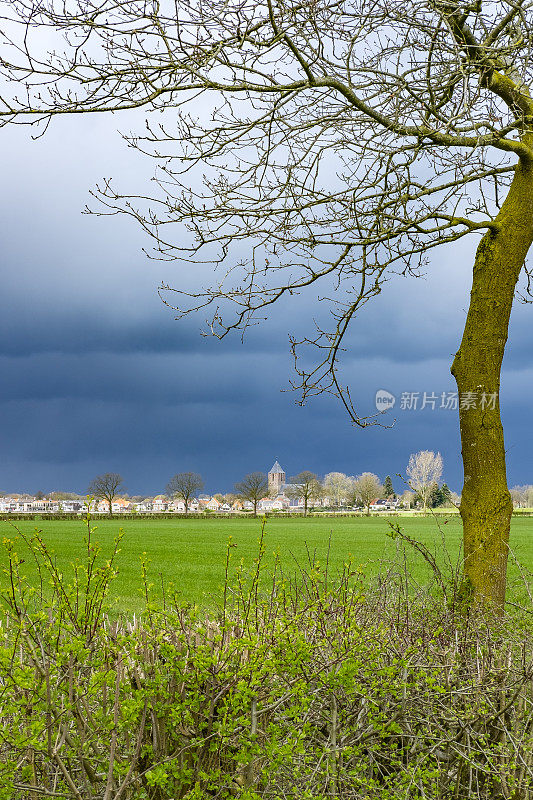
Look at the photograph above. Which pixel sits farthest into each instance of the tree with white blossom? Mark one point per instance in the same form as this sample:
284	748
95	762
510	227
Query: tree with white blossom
338	487
424	471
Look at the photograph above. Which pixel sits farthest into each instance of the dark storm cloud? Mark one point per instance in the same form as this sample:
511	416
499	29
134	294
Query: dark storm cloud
73	332
96	375
132	378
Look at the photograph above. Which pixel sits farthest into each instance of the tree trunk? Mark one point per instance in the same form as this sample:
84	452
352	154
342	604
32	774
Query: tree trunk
486	504
110	504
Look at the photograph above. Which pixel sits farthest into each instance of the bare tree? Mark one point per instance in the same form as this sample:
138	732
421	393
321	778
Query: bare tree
253	487
424	471
344	142
184	486
304	486
106	487
368	488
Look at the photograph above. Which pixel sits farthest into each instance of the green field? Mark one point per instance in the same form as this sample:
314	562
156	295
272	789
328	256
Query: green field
189	554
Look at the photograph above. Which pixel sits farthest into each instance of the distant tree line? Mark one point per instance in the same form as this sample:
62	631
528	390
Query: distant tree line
423	488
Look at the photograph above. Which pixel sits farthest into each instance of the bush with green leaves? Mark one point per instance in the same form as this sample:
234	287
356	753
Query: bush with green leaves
323	686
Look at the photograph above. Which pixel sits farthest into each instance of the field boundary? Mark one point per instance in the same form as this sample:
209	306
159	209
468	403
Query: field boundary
234	515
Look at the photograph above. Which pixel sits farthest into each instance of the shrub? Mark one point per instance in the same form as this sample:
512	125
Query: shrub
324	686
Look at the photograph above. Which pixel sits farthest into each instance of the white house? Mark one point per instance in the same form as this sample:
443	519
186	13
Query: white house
45	506
385	504
72	507
121	506
143	508
179	506
118	506
160	503
279	503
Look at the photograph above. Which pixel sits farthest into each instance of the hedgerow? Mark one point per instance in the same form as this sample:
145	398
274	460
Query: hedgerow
324	686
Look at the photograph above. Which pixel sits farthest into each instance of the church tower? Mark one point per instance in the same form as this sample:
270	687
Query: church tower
276	479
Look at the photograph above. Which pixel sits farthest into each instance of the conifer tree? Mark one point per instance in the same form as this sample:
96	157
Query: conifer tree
388	488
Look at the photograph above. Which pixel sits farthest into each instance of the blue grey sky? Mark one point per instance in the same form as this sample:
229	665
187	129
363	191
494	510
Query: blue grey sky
97	376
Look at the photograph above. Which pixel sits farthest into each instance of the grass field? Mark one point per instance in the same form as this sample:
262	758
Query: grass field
190	553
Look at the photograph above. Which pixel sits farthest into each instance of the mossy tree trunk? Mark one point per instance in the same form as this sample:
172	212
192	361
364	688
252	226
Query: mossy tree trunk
486	504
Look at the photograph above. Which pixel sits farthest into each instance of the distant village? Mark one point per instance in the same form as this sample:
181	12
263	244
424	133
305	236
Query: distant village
337	491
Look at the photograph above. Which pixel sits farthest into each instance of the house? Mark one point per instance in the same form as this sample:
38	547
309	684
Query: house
296	504
242	505
279	503
385	504
71	507
8	505
160	503
43	506
179	506
29	505
121	506
213	504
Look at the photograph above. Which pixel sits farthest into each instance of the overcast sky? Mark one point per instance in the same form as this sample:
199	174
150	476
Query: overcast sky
97	376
